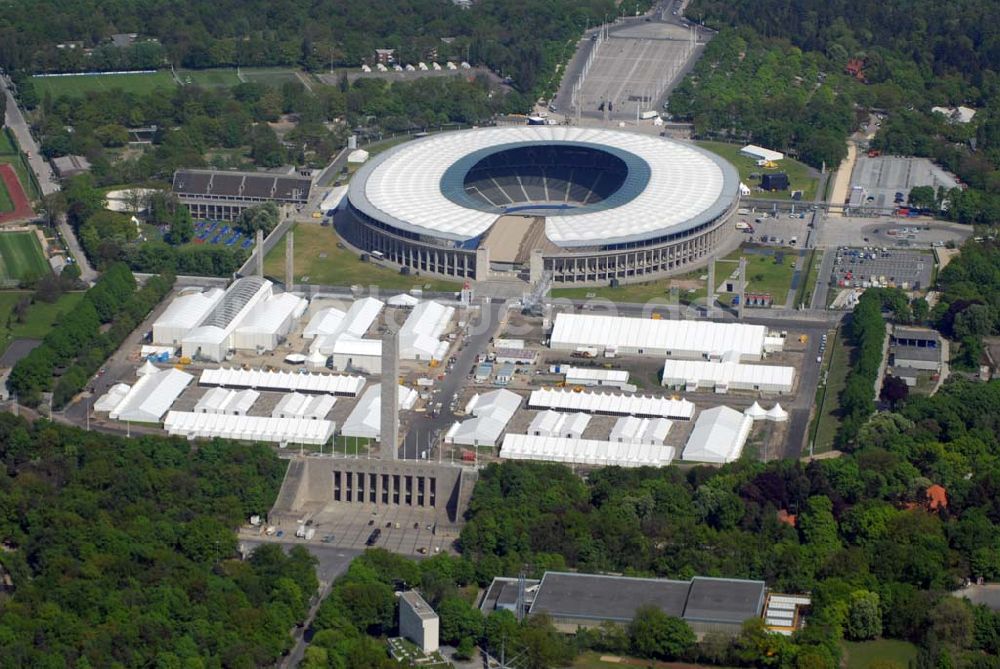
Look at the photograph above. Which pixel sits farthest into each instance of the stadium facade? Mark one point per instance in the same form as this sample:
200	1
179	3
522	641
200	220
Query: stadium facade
588	205
216	195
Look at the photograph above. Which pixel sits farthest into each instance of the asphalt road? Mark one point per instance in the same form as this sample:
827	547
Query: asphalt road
424	429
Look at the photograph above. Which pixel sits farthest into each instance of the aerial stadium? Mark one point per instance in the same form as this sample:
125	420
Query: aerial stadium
589	206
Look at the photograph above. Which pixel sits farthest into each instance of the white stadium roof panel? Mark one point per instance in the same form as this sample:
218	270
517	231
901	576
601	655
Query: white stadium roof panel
687	186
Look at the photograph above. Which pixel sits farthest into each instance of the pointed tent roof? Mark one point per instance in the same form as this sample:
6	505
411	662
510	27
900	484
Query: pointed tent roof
777	414
147	368
755	411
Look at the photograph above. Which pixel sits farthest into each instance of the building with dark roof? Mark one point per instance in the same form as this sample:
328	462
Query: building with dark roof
222	196
915	349
574	600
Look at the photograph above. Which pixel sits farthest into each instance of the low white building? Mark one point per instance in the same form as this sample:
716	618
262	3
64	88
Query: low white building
418	622
268	323
632	430
357	355
760	153
420	335
491	412
184	314
556	424
297	405
591	452
281	431
365	420
328	325
109	400
718	437
227	402
564	399
212	339
596	376
303	382
723	377
151	396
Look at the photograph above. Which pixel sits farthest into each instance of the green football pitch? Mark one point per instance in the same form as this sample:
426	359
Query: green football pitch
21	256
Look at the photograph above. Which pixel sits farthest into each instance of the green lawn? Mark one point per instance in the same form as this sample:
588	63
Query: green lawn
800	175
75	86
826	422
273	77
214	78
40	319
863	655
318	260
763	275
21	256
591	660
808	286
7	147
6	204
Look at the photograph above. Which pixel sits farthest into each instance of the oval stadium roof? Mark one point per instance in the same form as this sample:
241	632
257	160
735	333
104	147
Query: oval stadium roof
686	186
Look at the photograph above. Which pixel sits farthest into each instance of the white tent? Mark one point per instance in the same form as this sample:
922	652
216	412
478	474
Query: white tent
419	337
760	153
632	430
354	354
555	424
718	436
331	326
282	431
365	420
297	405
662	338
147	368
268	321
595	376
585	451
565	399
492	411
316	361
109	400
213	337
227	402
726	375
755	411
183	314
402	300
324	321
151	396
357	156
331	384
777	414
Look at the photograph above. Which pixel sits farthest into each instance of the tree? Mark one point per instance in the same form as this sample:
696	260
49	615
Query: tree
951	622
864	620
181	226
459	620
655	634
262	217
923	197
894	390
466	649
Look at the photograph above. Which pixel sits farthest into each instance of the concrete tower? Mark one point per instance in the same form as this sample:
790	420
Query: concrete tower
260	253
289	264
710	292
741	287
390	395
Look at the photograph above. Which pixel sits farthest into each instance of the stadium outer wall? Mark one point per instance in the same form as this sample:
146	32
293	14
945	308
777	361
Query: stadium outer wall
685	252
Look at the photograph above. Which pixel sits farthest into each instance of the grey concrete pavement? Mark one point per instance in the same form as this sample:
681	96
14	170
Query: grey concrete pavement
19	126
87	272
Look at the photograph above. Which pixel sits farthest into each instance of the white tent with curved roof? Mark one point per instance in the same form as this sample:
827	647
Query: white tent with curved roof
718	436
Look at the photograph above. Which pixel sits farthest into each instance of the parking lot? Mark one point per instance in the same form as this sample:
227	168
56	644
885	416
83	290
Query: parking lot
882	177
870	266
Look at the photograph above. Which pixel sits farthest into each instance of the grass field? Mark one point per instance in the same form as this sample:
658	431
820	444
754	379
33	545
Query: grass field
21	256
863	655
799	174
40	318
216	78
318	260
807	287
7	147
763	275
6	204
273	77
826	422
76	86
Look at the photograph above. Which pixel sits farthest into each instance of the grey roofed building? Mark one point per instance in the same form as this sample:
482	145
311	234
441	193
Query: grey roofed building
503	594
724	600
223	195
916	353
598	598
70	166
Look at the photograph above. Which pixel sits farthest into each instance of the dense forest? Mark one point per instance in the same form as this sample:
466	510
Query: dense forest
521	39
914	54
969	308
121	552
864	529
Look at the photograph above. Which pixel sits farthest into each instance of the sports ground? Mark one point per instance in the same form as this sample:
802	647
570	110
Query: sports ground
14	204
21	256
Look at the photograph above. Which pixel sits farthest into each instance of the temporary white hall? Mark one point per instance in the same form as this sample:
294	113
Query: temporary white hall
365	420
695	340
564	399
352	354
420	335
297	405
212	338
282	431
403	300
303	382
632	430
184	313
596	376
491	412
585	451
718	436
229	402
557	424
329	324
760	153
269	322
109	400
151	396
725	376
